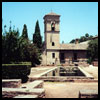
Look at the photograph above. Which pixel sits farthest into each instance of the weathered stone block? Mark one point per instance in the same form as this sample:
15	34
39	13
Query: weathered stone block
26	96
34	84
12	92
11	83
88	94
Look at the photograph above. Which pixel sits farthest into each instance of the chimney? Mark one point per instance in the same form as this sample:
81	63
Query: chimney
76	41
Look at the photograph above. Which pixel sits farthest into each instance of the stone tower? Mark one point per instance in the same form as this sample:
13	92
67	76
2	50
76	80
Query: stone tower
51	32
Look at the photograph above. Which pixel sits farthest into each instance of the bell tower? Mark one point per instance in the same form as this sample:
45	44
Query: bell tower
51	30
51	33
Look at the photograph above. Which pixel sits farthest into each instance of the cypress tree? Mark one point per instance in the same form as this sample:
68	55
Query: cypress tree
24	32
37	39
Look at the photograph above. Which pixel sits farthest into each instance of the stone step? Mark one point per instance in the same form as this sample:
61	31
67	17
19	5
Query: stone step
12	92
26	96
88	94
11	83
34	84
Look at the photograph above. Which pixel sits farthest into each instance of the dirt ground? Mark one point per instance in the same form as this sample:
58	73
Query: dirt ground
66	90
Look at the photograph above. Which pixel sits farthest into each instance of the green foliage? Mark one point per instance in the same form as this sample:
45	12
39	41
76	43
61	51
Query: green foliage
72	41
35	55
83	38
10	46
24	32
87	35
24	53
89	60
62	42
17	48
92	50
37	39
15	71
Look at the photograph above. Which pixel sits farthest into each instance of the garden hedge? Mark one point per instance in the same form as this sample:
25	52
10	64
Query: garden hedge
16	71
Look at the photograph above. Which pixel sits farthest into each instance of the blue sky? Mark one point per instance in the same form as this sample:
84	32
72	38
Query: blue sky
77	18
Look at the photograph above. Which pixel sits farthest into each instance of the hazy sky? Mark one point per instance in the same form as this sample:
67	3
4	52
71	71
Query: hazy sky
77	18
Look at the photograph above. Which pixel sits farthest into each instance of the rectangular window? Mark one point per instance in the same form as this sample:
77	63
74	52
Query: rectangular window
53	44
75	56
62	56
53	55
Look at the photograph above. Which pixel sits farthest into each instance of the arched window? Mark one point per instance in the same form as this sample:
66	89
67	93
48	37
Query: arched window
53	55
52	26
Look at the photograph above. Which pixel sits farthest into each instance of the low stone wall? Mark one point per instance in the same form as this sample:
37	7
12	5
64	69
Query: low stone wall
11	83
86	73
12	92
12	89
95	63
63	79
34	84
48	76
88	94
26	96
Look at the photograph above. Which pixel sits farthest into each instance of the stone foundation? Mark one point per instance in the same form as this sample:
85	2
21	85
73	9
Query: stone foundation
34	84
26	96
88	94
12	92
11	83
35	89
95	63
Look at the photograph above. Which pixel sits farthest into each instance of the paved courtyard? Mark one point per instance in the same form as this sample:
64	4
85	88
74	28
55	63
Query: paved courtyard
40	69
66	90
92	70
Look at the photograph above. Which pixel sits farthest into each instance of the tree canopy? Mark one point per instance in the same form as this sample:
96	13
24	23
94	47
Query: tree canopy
37	38
17	48
83	38
92	50
24	32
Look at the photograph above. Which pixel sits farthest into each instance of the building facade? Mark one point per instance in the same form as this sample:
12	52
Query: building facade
55	53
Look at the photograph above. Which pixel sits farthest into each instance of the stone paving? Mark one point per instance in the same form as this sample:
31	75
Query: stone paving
38	70
92	70
66	90
70	89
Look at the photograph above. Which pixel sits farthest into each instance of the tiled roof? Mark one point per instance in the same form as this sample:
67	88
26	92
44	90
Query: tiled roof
52	13
86	42
72	46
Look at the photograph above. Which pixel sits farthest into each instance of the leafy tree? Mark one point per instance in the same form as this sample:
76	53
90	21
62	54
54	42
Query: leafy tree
73	41
35	55
10	46
24	54
90	37
62	42
17	48
92	50
23	43
3	49
37	39
83	38
86	35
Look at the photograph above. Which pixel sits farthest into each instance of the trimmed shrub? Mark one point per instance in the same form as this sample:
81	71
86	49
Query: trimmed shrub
16	71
